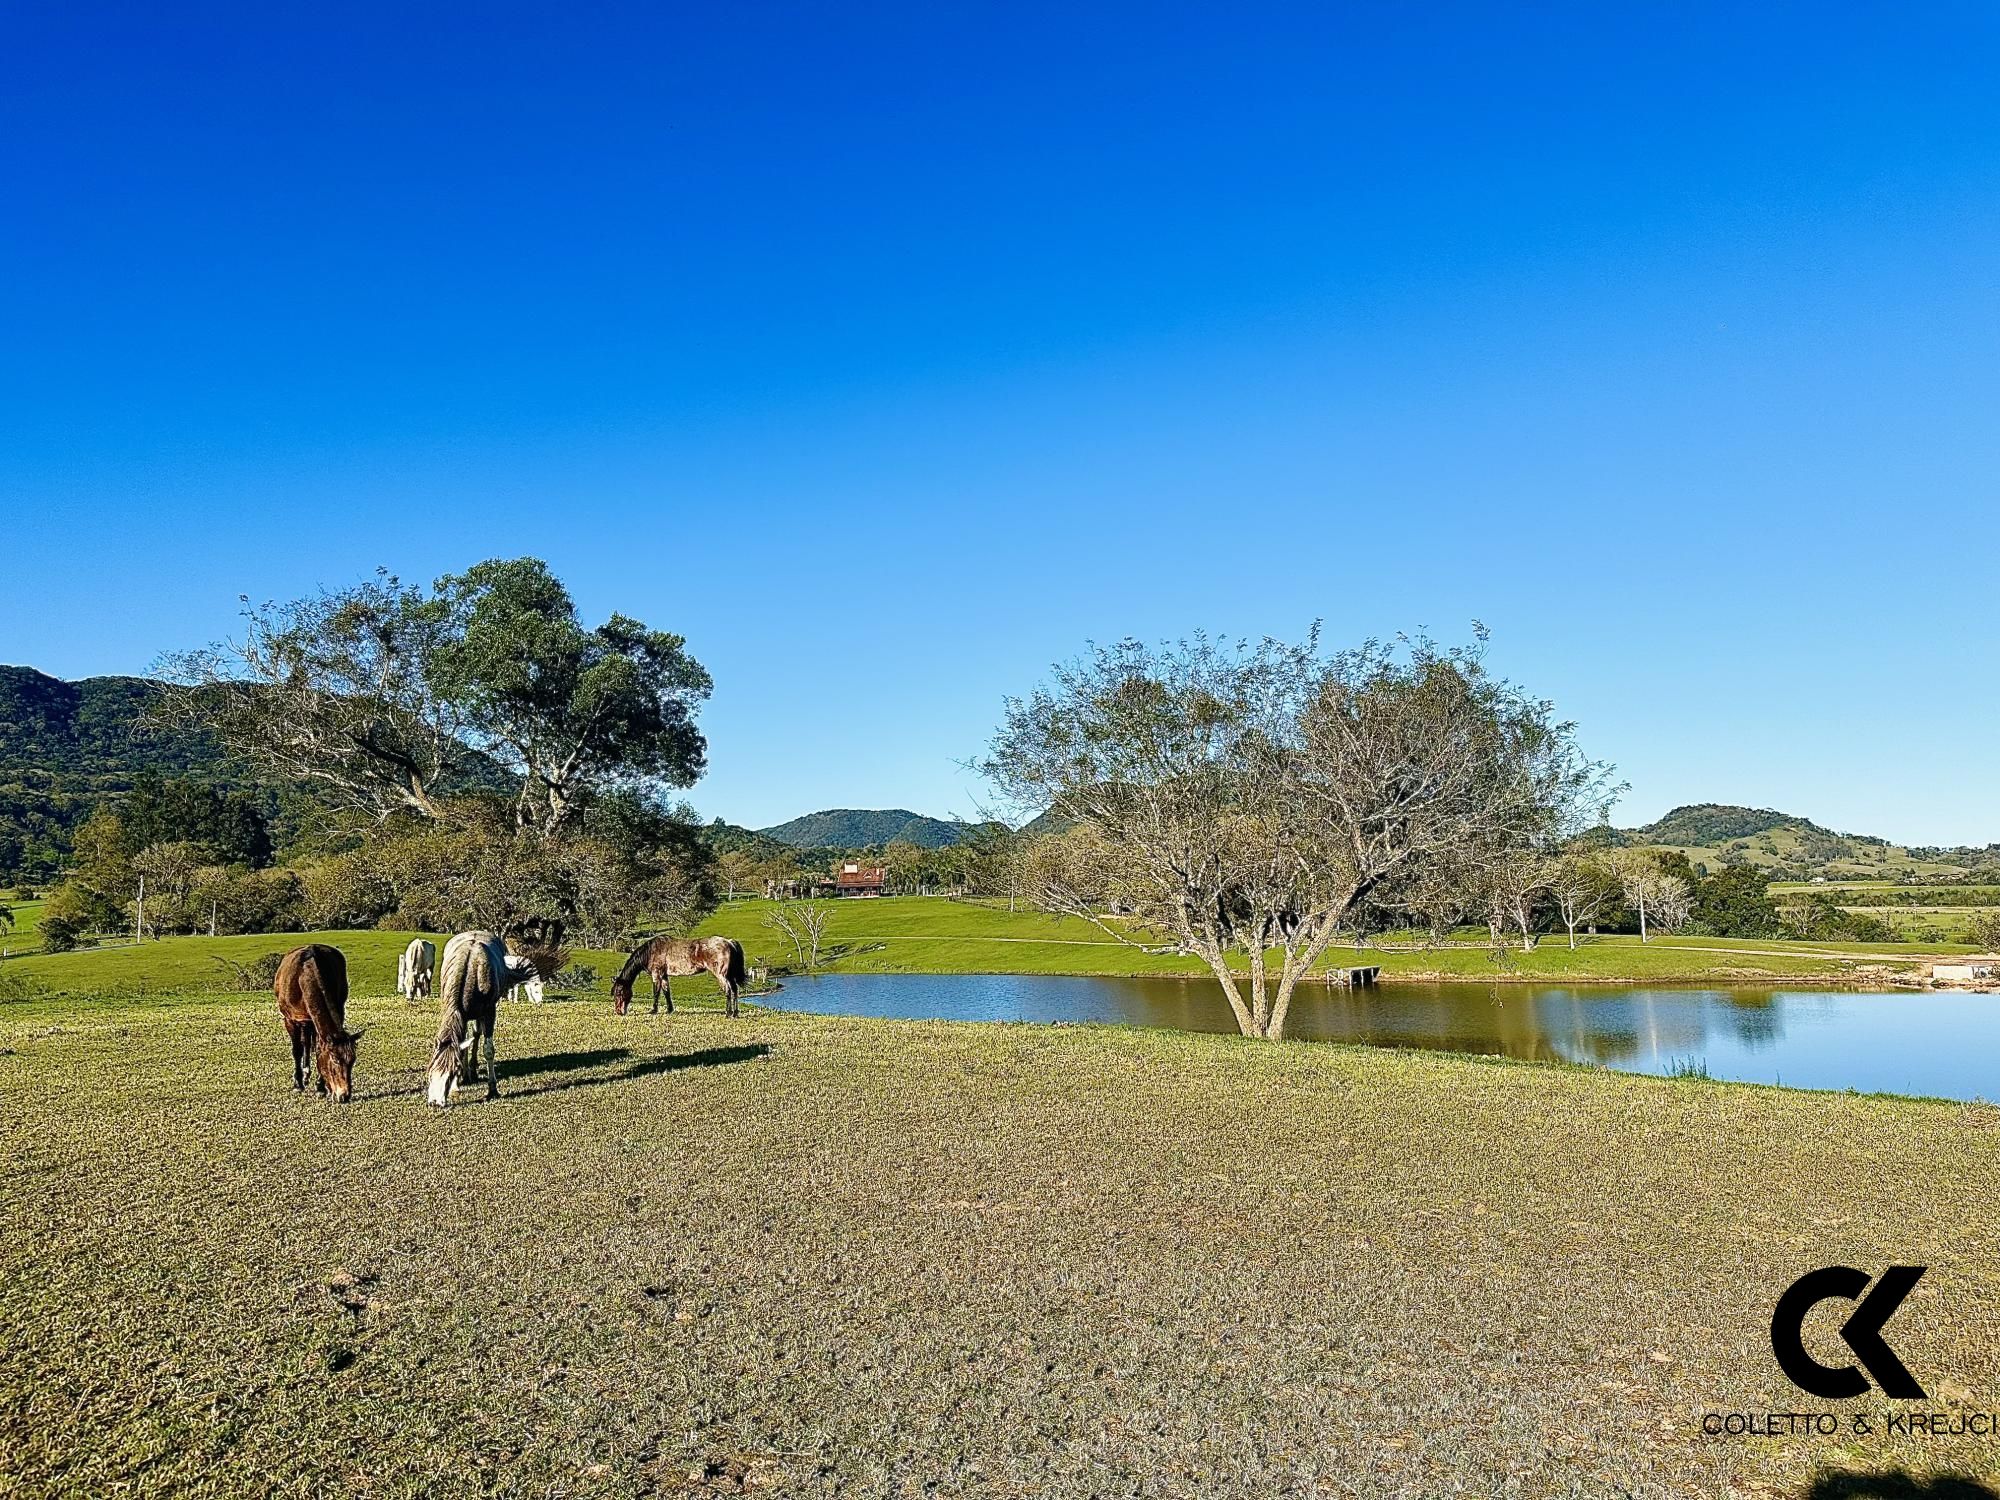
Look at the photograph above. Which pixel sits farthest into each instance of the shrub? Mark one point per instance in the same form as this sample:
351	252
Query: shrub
61	934
18	986
256	975
576	979
1863	927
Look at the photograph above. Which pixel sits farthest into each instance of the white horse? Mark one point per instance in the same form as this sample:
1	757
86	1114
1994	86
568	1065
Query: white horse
477	970
524	976
413	969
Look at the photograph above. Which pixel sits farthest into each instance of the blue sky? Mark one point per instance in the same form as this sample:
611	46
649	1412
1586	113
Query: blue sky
890	354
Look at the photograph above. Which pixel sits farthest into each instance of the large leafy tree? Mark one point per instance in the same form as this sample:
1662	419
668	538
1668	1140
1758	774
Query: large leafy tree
1252	802
573	711
393	700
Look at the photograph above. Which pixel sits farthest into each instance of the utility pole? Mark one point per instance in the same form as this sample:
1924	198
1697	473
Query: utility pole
139	913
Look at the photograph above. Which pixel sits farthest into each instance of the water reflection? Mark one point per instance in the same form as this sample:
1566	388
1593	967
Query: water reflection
1923	1043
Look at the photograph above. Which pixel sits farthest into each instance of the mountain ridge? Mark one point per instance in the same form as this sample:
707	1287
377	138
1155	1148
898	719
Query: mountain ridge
863	827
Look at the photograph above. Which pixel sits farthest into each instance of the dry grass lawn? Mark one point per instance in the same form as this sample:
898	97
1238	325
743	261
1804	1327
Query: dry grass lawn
804	1256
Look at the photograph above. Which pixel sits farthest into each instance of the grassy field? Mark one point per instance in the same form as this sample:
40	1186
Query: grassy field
937	935
940	936
25	935
810	1256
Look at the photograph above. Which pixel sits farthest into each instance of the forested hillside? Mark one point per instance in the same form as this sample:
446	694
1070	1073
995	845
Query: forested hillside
860	828
67	746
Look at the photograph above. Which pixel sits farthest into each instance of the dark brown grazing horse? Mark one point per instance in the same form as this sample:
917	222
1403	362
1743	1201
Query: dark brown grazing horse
664	957
311	987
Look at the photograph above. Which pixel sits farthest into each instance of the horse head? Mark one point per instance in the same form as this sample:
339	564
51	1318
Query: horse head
525	975
621	995
336	1065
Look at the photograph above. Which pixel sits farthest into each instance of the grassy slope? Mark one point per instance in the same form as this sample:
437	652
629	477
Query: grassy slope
935	935
844	1257
24	935
1782	846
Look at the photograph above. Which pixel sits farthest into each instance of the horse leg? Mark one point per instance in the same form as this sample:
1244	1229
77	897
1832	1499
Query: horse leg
468	1057
668	985
309	1044
299	1054
729	990
492	1067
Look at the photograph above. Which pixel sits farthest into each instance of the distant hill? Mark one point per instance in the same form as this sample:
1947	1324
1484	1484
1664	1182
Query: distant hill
67	746
1790	847
861	828
732	838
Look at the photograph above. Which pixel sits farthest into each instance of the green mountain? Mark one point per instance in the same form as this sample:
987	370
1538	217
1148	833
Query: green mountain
862	828
67	746
1789	847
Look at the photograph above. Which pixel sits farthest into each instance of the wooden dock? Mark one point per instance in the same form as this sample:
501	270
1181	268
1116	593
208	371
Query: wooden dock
1354	979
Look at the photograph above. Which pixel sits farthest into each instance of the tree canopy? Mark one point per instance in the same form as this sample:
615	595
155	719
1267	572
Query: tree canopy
389	698
1252	799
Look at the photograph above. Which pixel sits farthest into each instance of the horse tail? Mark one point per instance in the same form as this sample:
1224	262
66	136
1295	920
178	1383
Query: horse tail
738	974
453	984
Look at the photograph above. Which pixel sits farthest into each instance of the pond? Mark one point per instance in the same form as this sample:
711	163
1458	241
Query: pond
1939	1043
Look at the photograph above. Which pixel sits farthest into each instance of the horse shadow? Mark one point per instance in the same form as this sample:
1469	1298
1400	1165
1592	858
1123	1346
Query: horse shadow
1897	1484
578	1065
573	1070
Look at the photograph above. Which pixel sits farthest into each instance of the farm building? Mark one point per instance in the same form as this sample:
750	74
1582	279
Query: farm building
851	879
848	879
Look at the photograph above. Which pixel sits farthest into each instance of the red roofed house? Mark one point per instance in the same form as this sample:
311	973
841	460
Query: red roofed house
851	879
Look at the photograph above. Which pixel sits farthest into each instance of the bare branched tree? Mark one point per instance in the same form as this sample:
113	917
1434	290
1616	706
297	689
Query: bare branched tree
1662	900
1245	801
333	691
1582	887
803	925
1517	877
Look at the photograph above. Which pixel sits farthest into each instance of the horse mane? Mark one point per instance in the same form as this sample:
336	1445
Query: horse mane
319	971
636	964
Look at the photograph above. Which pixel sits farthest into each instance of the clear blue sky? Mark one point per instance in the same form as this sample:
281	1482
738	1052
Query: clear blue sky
890	354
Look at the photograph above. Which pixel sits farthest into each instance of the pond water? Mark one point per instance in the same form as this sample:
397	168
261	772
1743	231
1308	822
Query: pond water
1939	1043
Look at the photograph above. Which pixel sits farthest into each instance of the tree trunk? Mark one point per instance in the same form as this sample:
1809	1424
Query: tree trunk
1218	965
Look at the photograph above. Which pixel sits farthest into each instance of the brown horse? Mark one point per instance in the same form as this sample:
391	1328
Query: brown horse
311	986
663	958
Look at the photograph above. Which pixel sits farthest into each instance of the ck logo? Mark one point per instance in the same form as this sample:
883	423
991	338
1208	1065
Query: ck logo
1862	1332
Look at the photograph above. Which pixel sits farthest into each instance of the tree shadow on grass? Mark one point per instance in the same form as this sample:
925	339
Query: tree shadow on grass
648	1067
1897	1484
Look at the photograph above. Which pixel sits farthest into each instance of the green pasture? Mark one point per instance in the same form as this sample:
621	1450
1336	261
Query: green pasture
938	935
916	934
807	1256
25	935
